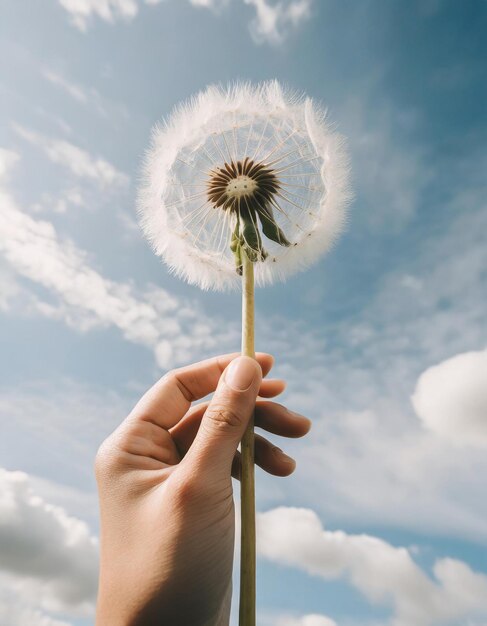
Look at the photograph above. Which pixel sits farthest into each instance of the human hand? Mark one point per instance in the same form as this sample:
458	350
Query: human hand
166	497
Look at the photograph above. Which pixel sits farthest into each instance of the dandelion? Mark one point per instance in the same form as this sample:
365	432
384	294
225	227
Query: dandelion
242	184
251	167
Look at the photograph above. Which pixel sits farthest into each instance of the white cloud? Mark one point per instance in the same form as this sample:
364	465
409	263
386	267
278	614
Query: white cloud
81	163
215	5
8	158
79	502
305	620
47	557
386	575
451	398
9	288
83	11
14	296
273	22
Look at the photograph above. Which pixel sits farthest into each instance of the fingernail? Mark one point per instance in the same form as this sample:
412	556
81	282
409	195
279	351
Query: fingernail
241	373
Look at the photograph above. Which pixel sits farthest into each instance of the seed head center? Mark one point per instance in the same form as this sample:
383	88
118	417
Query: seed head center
240	186
244	183
247	190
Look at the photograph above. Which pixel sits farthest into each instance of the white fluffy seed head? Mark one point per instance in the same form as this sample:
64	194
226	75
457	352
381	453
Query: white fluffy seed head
284	131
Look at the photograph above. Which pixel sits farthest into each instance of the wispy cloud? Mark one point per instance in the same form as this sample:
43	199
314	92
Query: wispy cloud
386	575
89	97
75	91
215	5
61	202
80	162
87	175
272	24
390	176
83	11
174	330
87	299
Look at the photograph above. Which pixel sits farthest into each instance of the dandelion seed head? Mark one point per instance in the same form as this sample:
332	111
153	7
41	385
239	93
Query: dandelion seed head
252	166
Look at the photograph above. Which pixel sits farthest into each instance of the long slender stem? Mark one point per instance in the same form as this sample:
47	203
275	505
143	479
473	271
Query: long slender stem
247	497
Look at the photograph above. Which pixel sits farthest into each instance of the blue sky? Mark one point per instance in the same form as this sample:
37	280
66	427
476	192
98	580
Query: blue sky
383	342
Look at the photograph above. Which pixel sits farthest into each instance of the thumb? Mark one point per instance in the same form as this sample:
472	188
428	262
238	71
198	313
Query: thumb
227	416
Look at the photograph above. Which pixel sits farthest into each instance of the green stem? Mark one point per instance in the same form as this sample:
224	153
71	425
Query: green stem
247	498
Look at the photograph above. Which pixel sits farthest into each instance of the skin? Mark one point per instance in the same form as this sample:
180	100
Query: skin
166	498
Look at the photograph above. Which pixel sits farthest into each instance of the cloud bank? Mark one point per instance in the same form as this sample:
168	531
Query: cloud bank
49	558
386	575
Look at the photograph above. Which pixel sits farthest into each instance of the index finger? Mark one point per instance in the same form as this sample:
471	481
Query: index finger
170	398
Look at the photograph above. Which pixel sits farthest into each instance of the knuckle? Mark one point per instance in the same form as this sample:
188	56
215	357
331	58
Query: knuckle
104	458
110	451
129	431
224	417
170	377
192	490
187	491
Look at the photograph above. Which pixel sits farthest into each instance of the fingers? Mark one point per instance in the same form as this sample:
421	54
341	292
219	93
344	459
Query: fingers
272	459
279	420
170	398
267	456
270	416
226	418
271	387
